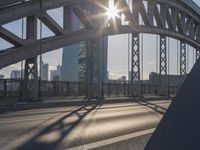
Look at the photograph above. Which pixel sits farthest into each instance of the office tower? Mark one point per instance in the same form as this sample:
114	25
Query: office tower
44	71
55	74
74	56
15	74
70	65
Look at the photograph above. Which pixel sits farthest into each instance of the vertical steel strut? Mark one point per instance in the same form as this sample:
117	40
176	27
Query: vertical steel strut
163	65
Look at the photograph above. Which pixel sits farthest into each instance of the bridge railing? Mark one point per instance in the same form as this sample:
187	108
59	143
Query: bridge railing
12	88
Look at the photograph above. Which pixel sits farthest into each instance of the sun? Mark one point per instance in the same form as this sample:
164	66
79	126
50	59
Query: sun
112	12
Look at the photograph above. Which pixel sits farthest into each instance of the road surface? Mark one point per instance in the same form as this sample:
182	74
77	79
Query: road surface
103	126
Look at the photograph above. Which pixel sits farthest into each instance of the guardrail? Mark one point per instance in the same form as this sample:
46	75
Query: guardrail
12	88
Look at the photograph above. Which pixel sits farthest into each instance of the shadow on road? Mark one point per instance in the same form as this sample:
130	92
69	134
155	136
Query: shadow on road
155	107
54	134
61	126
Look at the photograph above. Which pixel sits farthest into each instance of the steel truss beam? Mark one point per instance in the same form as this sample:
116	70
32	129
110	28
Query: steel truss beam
31	66
182	60
173	13
163	55
135	55
94	69
31	79
10	37
135	63
52	43
29	8
163	65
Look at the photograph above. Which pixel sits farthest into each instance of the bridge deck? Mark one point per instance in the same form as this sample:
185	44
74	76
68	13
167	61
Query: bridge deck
107	126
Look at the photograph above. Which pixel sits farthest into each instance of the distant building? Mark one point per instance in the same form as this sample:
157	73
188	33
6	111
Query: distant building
16	74
72	58
55	74
44	71
129	75
70	65
108	76
171	80
1	76
123	79
59	71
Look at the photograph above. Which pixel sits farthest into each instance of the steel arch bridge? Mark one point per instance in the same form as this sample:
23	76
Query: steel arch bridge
179	19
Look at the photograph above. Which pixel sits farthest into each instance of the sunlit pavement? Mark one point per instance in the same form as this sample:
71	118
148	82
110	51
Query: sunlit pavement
125	125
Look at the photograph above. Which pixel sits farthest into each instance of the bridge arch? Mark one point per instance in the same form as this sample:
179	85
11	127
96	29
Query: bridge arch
179	19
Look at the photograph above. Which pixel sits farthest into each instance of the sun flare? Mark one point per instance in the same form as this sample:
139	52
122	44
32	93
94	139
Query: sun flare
112	12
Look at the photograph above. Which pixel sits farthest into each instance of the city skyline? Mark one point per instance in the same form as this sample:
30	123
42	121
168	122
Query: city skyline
117	53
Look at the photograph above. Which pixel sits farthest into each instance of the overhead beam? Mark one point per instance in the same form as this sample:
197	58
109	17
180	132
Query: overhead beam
84	19
128	14
171	19
10	37
180	24
158	16
51	24
67	18
42	46
6	3
33	49
143	13
32	8
181	6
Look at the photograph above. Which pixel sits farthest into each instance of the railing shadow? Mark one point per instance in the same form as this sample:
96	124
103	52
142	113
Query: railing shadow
154	107
64	128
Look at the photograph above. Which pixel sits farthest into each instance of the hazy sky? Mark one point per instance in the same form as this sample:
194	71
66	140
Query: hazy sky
117	51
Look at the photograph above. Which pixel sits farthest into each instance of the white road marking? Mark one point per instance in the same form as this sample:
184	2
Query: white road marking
112	140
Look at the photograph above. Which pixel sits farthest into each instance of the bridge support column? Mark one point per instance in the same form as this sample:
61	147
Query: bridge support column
31	67
135	66
163	66
136	88
31	79
94	70
182	61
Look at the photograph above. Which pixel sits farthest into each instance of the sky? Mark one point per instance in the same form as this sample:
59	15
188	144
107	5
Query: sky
117	51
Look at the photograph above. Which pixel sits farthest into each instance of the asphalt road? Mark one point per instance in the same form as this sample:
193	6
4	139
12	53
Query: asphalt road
98	126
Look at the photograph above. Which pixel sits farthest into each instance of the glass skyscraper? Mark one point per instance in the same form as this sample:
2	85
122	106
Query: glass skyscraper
70	62
72	55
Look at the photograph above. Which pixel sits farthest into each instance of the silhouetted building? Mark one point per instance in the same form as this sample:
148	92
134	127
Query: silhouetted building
45	72
123	78
1	76
171	80
16	74
55	74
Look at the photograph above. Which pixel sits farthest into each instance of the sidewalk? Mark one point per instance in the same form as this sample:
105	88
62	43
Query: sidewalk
14	105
